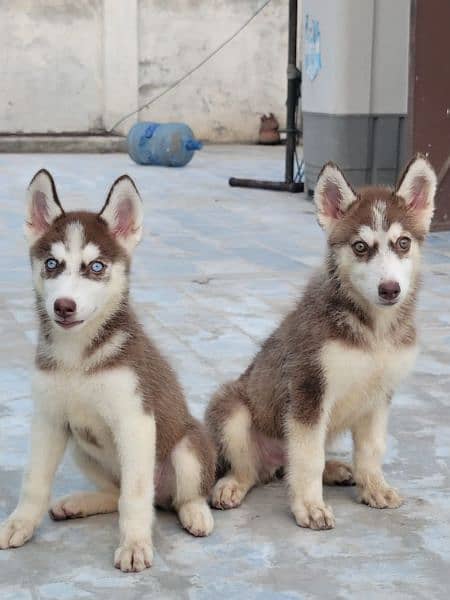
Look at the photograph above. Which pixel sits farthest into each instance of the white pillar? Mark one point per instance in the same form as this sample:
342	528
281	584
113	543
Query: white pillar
120	62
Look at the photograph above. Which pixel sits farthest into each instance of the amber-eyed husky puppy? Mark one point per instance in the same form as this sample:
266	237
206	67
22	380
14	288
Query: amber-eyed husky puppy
335	361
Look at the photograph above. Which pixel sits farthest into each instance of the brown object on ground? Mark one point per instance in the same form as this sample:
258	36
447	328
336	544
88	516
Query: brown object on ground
269	130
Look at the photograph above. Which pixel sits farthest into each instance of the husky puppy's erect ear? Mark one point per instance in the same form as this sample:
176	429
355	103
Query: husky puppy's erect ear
123	213
417	187
333	195
43	205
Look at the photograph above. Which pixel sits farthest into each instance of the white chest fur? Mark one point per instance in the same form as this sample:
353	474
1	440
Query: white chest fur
91	405
356	379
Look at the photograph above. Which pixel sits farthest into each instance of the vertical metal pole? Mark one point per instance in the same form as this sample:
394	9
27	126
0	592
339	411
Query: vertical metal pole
292	92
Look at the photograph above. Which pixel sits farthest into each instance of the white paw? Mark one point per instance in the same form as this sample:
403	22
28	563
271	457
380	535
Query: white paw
66	508
196	518
228	493
380	497
314	516
15	532
133	557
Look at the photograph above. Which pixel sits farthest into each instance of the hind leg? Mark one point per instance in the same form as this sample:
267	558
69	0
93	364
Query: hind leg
193	461
238	449
337	473
85	504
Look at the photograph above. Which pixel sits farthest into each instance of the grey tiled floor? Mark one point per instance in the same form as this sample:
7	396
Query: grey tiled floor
216	270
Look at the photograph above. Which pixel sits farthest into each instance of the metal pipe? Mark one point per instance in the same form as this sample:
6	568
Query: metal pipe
260	184
292	93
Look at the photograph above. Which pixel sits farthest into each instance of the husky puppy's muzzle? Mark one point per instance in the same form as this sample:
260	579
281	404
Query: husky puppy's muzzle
388	292
65	313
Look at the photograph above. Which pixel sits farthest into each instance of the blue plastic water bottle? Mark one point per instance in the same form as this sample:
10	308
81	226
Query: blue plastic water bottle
165	144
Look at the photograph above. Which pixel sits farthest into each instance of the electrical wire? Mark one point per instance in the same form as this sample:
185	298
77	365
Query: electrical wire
189	73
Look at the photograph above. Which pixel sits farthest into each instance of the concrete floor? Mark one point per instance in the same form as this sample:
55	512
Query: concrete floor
216	270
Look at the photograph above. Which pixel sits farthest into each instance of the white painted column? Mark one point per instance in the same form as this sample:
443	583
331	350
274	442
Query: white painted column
120	62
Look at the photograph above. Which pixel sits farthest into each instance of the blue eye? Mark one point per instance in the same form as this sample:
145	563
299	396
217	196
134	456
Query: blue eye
97	266
51	264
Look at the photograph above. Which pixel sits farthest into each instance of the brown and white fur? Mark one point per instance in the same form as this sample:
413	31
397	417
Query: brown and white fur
335	361
102	385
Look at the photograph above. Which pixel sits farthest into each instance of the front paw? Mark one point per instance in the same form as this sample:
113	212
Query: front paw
15	532
379	496
133	557
314	516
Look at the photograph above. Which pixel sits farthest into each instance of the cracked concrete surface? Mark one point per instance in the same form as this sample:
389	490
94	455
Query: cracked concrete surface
216	270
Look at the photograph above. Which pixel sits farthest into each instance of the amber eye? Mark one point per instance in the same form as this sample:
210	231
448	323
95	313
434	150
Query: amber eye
404	243
360	248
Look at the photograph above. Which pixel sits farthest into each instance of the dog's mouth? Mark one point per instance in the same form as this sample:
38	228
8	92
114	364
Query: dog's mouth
384	302
66	324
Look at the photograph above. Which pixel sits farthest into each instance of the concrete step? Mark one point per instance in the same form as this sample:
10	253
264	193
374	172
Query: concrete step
63	143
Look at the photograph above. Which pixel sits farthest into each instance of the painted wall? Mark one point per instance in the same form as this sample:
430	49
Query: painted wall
79	65
364	52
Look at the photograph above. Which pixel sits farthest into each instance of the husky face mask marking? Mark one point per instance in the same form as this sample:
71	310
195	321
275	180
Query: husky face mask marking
80	260
375	235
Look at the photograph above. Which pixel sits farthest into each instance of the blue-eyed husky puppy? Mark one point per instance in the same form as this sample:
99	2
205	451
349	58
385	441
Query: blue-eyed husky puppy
103	385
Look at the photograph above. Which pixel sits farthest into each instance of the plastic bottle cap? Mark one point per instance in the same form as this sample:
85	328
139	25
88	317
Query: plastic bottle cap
193	145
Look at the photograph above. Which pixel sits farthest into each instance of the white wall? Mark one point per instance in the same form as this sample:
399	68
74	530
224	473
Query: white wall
79	65
223	100
364	51
50	66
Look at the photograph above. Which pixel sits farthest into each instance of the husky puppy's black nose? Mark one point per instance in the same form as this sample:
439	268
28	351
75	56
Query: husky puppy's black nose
389	290
64	307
